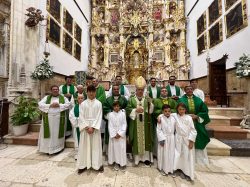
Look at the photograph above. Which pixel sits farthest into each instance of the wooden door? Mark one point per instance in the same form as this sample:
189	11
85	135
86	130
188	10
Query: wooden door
217	82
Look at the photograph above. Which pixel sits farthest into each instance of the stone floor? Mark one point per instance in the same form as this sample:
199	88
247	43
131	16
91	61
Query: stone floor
22	166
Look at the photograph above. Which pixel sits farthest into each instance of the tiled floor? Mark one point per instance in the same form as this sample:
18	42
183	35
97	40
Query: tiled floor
23	166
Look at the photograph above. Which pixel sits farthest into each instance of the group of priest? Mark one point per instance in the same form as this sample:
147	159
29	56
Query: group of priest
165	122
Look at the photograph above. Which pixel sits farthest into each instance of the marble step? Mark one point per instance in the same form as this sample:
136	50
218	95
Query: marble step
238	147
31	138
217	148
229	112
228	132
217	120
35	127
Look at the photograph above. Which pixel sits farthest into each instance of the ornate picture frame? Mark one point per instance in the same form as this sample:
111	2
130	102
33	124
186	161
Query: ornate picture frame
236	19
78	33
201	24
67	42
113	58
214	11
77	51
202	43
229	3
54	8
67	21
215	34
53	31
159	56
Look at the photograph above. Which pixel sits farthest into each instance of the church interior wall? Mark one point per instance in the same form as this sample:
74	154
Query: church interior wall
63	62
234	45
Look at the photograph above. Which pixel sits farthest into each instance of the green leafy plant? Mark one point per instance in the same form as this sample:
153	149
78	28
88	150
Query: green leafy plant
25	112
243	66
43	71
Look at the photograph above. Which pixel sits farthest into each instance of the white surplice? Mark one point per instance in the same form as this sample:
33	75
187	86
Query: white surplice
184	157
117	147
52	144
165	154
199	93
90	145
74	122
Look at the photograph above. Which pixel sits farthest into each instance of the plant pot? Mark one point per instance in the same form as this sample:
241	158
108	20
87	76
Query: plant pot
20	130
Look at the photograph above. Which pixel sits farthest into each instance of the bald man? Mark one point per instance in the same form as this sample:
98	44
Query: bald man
79	92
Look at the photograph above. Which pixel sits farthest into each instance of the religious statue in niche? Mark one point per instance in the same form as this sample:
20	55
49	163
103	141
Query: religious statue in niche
68	21
173	52
54	8
174	37
214	35
234	20
172	8
201	24
67	43
77	51
136	59
229	3
201	44
78	33
214	11
157	13
54	31
114	17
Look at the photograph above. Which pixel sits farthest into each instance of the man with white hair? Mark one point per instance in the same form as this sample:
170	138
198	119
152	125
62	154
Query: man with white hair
79	92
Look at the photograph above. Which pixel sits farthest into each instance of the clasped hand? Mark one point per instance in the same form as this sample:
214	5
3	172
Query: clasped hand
54	105
139	110
89	130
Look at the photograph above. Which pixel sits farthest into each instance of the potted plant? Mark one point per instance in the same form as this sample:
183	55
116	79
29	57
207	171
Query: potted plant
25	112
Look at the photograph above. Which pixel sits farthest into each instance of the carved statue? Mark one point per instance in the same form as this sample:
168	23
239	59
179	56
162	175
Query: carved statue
245	123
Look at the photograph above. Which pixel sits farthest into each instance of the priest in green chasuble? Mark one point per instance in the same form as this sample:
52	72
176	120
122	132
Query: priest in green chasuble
68	90
198	110
100	91
52	132
122	89
164	100
141	135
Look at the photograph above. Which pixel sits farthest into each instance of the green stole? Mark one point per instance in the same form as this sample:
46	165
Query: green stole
158	92
178	91
46	119
122	89
65	89
200	109
141	136
76	112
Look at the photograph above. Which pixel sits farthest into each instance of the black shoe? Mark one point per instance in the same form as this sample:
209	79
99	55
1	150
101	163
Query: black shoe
80	171
147	163
101	169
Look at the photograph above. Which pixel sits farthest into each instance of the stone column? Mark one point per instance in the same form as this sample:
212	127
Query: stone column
182	59
167	48
106	51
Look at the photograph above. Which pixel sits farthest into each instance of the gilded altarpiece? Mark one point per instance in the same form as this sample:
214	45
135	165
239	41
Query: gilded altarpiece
138	38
